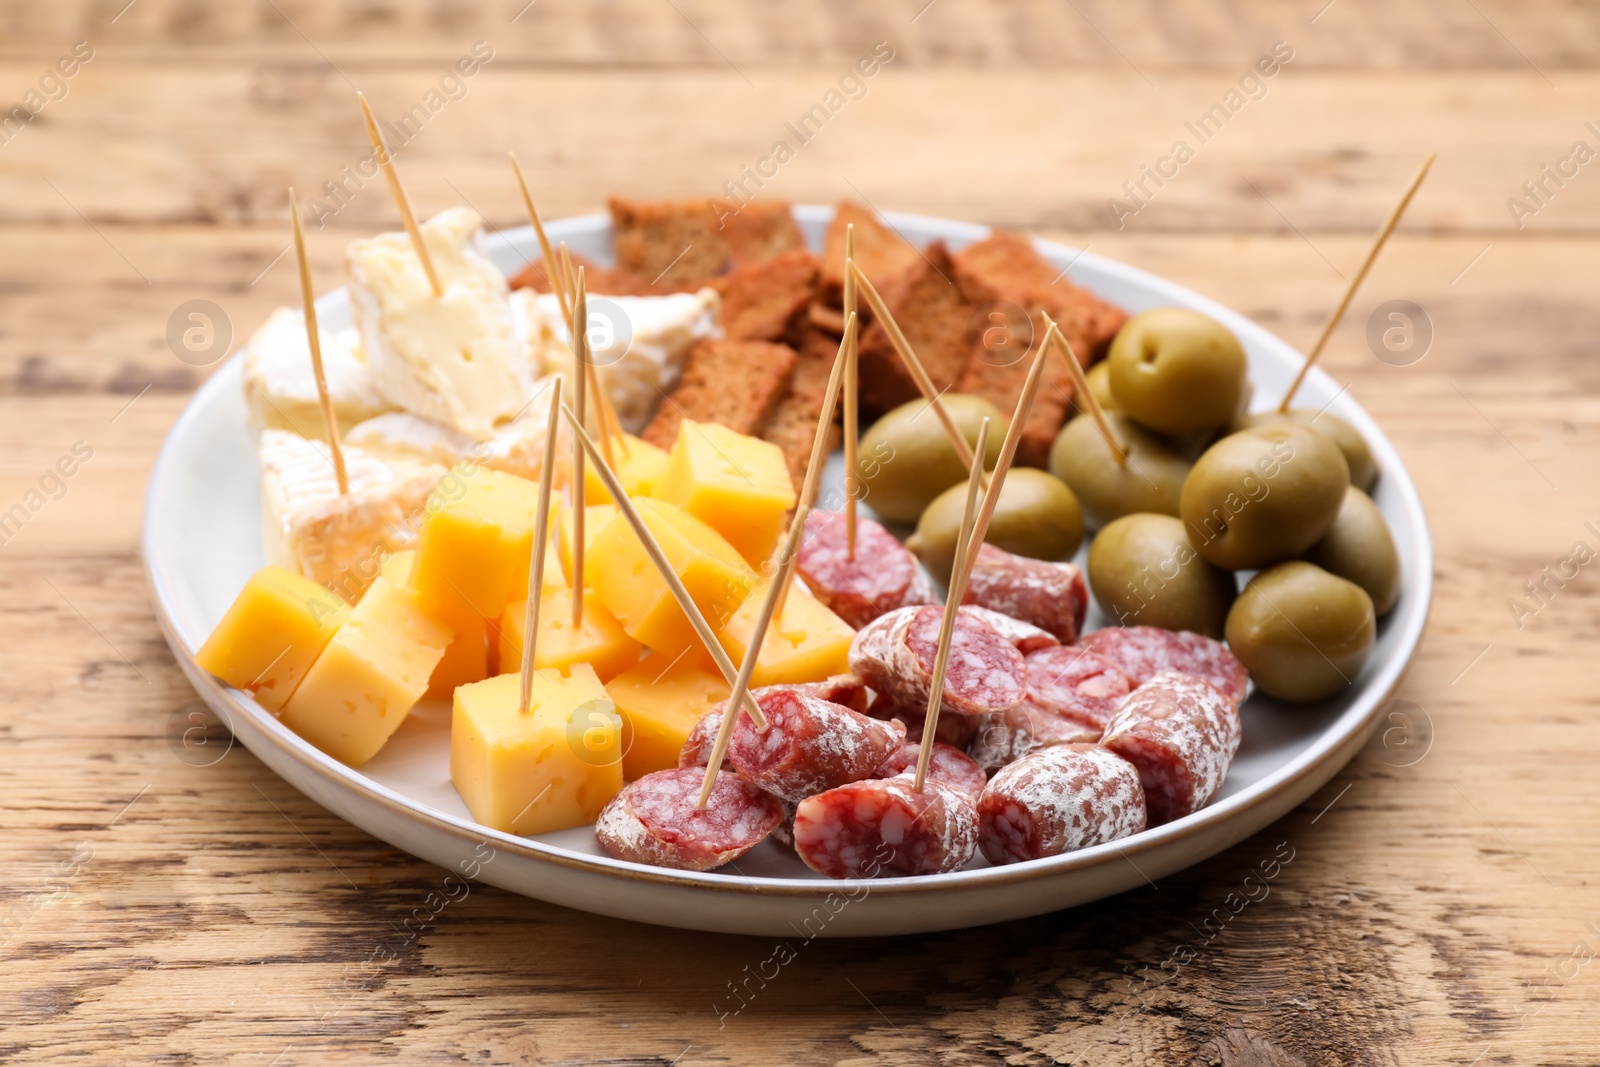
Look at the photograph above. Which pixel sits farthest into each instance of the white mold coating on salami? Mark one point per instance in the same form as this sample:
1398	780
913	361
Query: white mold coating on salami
809	745
885	827
1142	652
845	689
947	766
655	820
1051	596
1006	736
1059	800
1024	636
895	655
1181	733
883	575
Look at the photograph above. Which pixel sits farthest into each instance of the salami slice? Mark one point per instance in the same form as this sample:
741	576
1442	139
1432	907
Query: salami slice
845	689
1142	652
1051	596
654	820
884	827
1073	682
883	576
948	766
895	655
1024	636
956	731
783	833
809	745
1006	736
1181	733
1059	800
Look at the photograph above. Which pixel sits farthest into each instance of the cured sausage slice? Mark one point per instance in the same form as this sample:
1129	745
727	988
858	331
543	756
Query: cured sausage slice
1051	596
845	689
1006	736
948	766
1142	652
809	745
895	655
1024	636
956	731
1059	800
883	576
1071	681
884	827
654	820
1181	733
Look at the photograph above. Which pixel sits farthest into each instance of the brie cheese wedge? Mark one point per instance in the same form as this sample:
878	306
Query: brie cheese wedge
280	390
339	541
452	358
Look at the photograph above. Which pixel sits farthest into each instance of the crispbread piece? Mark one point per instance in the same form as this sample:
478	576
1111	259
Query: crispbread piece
762	301
596	279
759	230
935	315
685	243
998	372
1006	266
794	420
735	383
882	254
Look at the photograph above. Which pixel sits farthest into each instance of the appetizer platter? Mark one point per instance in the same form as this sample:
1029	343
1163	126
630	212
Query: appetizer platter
765	568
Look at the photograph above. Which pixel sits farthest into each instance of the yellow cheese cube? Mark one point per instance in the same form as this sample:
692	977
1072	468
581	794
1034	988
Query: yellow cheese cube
808	644
397	568
554	576
660	700
631	588
466	659
737	485
596	517
600	642
639	467
551	769
475	541
274	630
376	667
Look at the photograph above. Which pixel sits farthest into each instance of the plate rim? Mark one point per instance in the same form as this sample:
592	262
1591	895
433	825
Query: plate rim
1348	726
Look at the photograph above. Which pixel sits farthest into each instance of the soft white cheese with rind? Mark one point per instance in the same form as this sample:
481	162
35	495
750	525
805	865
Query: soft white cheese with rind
280	389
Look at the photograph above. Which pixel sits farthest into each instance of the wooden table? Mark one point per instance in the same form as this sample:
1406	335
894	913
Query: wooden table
1438	909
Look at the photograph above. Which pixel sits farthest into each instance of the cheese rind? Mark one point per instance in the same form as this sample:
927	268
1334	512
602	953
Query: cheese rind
551	769
737	485
376	667
600	641
272	634
339	541
660	701
451	358
280	389
808	644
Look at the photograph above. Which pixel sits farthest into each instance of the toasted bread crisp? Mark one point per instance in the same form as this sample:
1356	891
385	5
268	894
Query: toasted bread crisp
935	315
1011	285
793	425
681	244
735	383
596	279
763	301
882	254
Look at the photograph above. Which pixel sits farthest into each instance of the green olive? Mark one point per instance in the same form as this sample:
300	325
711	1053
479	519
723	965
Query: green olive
1262	496
1363	468
1144	572
1150	480
905	460
1302	633
1359	548
1037	516
1099	379
1176	370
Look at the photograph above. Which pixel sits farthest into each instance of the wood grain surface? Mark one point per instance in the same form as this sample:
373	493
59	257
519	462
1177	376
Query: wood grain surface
1438	905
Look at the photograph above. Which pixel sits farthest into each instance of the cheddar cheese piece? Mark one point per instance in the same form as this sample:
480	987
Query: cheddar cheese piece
808	644
660	700
737	485
272	633
475	543
551	769
465	660
377	666
595	518
600	641
632	589
640	468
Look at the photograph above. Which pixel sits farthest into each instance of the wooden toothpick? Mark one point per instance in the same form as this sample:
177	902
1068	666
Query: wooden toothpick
652	548
580	352
308	302
541	541
914	365
602	403
1355	283
812	481
1008	452
1081	388
852	403
947	625
399	193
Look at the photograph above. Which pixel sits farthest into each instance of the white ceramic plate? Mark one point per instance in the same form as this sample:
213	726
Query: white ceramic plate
202	541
